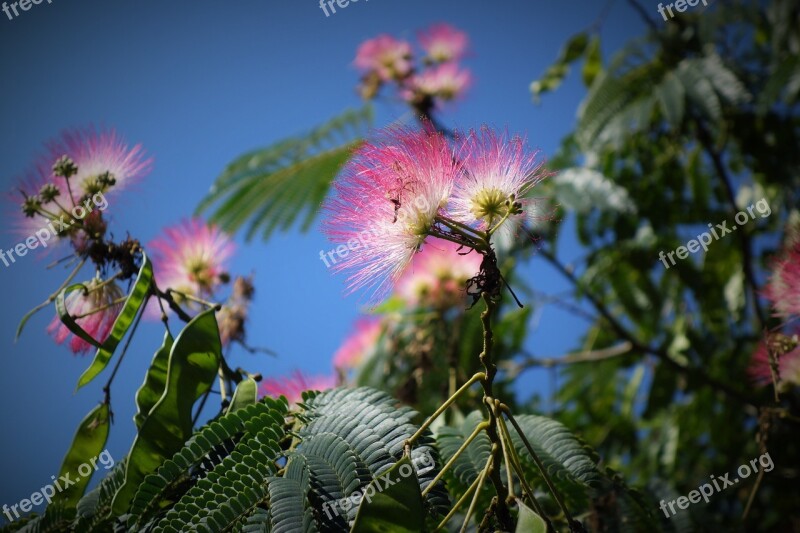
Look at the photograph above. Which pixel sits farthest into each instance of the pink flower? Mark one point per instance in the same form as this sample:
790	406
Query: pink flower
191	257
783	289
497	169
385	203
788	365
438	275
96	153
386	56
447	81
101	159
359	345
443	42
294	385
96	309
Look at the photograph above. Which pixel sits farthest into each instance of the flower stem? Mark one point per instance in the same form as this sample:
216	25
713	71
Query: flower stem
573	526
480	427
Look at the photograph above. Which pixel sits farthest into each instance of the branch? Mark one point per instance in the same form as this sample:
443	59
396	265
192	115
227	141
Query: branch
637	345
516	368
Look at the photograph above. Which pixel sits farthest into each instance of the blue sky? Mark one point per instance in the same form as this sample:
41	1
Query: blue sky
198	83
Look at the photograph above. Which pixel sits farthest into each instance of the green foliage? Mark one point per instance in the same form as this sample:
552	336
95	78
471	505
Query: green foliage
164	485
577	46
246	393
397	508
272	188
154	382
529	521
690	122
193	363
93	512
89	442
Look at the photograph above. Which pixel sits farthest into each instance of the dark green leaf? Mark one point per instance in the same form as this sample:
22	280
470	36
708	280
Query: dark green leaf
89	442
193	363
397	507
154	382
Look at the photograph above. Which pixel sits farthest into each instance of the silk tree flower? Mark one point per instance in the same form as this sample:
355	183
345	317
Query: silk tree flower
99	155
783	288
788	366
78	165
294	385
191	258
447	82
385	203
443	43
438	275
359	345
385	56
96	310
499	173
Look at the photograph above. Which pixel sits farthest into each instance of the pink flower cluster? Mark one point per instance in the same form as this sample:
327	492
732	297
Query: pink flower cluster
59	195
439	78
783	293
408	185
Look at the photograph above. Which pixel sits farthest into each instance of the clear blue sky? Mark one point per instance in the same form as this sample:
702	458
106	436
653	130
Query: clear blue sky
198	83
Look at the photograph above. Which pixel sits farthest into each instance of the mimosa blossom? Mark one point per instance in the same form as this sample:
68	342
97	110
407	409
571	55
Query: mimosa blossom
438	275
386	200
96	154
294	385
191	257
788	365
447	81
358	346
385	56
783	289
96	308
443	42
499	171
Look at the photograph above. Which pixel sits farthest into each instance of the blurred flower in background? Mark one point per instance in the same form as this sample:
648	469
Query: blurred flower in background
94	309
359	344
191	259
294	385
438	275
442	43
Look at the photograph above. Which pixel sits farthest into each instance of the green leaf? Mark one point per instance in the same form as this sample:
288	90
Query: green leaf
396	505
89	442
556	73
154	382
193	363
594	61
529	521
246	394
273	187
137	296
672	98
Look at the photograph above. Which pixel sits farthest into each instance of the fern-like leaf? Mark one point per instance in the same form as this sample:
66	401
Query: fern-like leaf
272	188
